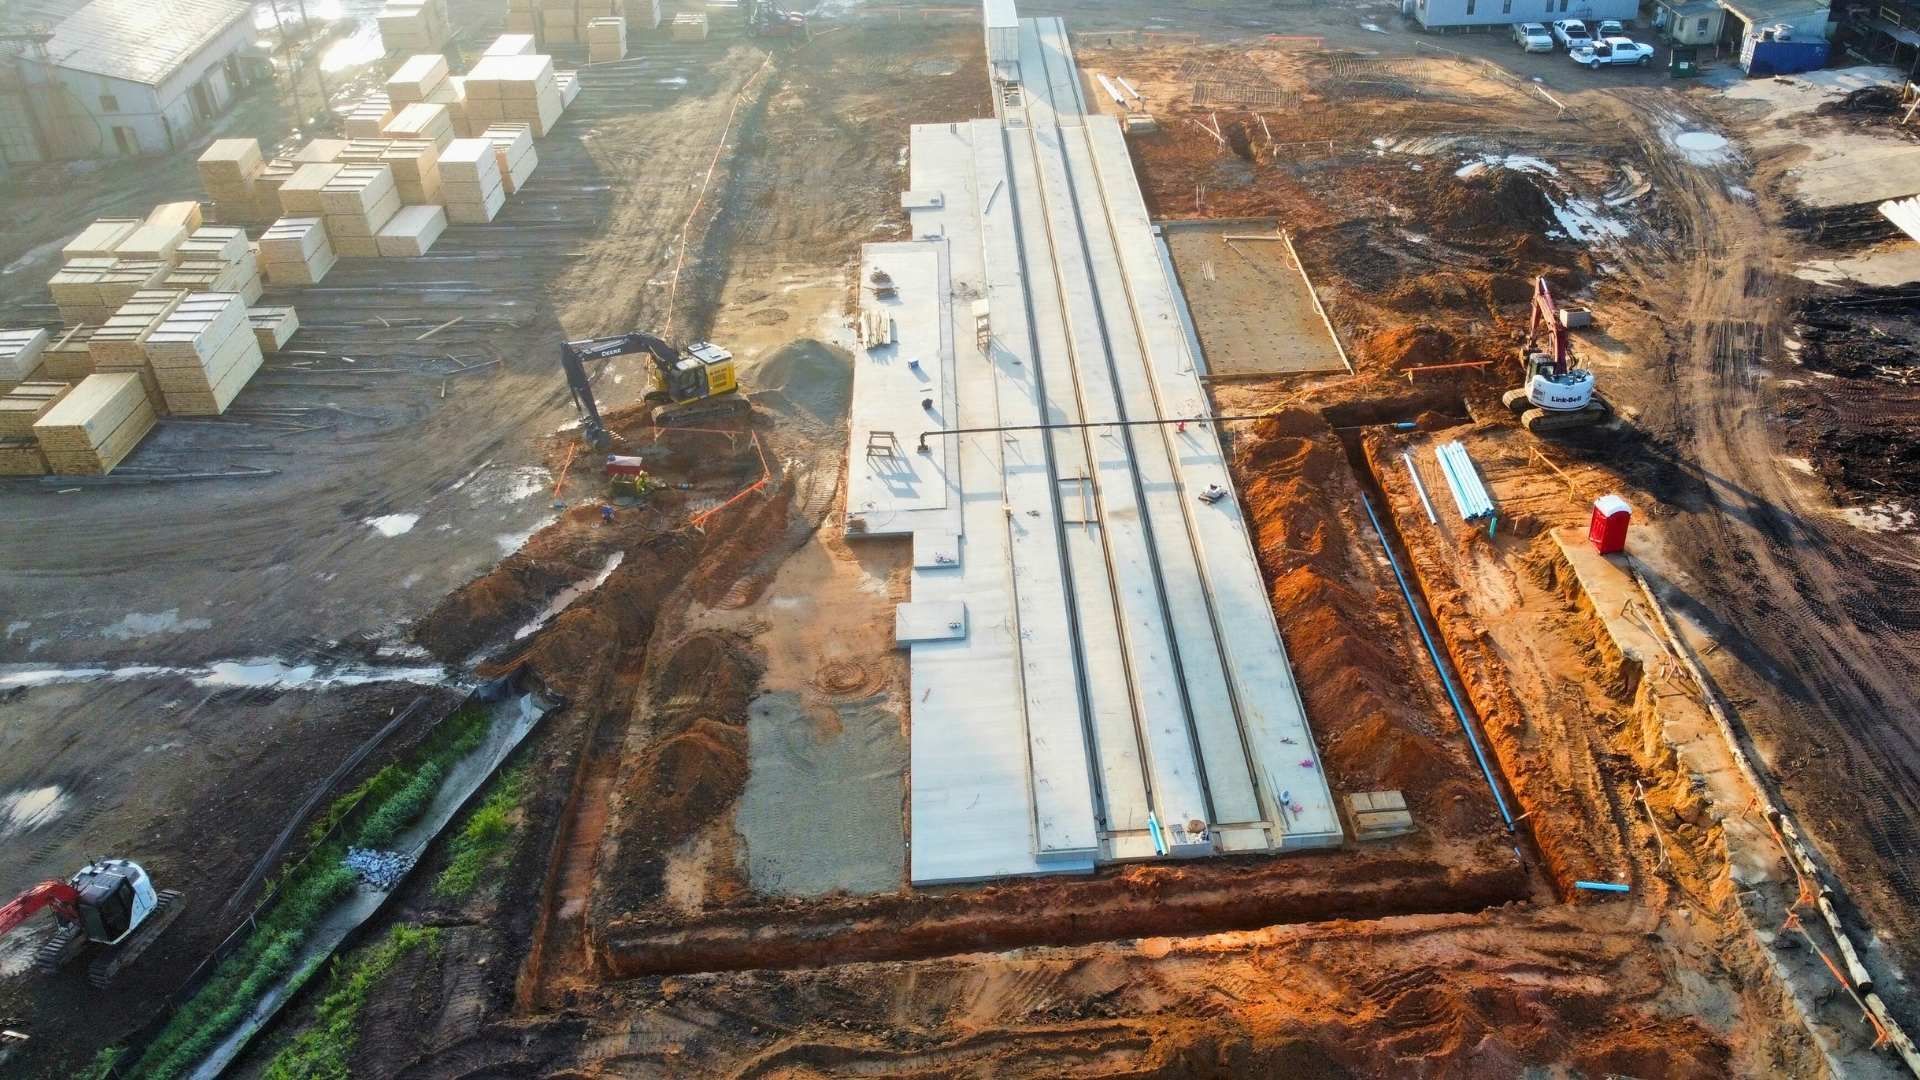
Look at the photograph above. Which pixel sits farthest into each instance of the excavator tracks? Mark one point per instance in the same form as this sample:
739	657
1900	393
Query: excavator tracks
167	907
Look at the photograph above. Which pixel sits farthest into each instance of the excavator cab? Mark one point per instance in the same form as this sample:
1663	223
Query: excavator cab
114	897
702	370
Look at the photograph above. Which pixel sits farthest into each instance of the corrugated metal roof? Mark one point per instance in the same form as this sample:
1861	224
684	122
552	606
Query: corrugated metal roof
1767	12
140	41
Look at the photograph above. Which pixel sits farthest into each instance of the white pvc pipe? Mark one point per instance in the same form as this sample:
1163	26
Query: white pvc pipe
1419	487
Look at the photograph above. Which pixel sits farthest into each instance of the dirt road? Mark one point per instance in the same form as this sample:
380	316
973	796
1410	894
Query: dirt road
1813	616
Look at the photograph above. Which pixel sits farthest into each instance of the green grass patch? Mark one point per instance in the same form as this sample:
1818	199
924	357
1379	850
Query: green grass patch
321	1051
483	838
372	814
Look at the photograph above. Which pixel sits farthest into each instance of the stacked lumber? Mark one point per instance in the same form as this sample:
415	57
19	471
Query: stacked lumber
457	106
569	84
95	426
230	172
184	214
68	358
20	352
296	251
421	121
22	457
559	22
204	353
689	26
415	164
606	40
118	346
216	259
127	277
27	403
300	194
368	118
414	26
319	152
76	290
471	184
510	45
152	243
522	20
267	189
357	202
519	89
417	78
411	232
98	240
272	326
513	149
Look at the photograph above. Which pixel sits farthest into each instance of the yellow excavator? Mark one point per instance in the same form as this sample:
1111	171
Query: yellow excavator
694	383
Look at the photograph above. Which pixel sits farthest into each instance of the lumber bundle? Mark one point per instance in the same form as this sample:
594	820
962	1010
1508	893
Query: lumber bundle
98	240
20	352
411	232
127	277
119	344
185	214
300	195
471	184
569	84
368	119
68	358
513	150
414	26
95	426
272	326
152	243
559	22
297	251
76	290
518	89
217	259
21	406
357	201
421	121
606	40
510	45
522	20
231	172
319	152
22	457
415	164
689	26
416	78
204	353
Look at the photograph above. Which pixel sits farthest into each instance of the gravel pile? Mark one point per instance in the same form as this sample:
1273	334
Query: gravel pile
380	869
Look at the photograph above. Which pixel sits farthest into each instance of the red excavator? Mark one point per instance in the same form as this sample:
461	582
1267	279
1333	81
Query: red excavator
109	907
1557	395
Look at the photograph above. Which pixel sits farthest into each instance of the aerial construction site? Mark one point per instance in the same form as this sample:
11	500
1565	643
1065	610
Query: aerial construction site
659	538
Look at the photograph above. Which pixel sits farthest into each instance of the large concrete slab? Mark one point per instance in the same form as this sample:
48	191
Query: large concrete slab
1253	307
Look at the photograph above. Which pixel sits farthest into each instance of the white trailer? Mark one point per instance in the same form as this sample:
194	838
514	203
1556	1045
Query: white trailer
1003	40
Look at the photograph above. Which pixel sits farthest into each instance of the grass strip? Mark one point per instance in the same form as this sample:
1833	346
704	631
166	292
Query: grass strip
483	838
322	1051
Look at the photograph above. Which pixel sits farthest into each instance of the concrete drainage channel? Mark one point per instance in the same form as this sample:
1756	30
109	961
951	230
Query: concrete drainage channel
512	714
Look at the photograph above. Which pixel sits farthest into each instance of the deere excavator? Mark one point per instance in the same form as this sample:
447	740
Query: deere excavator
109	907
697	382
1558	395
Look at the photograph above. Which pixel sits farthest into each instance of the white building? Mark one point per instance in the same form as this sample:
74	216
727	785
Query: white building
1447	14
120	78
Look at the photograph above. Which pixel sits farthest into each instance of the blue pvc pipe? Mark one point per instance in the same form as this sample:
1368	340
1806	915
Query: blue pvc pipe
1459	710
1602	886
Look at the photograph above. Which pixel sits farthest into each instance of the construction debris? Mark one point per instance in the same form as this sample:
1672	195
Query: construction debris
380	869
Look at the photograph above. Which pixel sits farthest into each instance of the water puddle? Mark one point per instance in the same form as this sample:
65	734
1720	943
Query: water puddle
565	597
25	811
255	673
392	524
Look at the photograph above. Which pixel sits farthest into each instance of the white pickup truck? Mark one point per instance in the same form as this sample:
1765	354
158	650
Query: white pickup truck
1617	50
1571	33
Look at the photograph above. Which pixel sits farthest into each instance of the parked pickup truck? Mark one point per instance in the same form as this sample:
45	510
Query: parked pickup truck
1532	37
1617	50
1609	28
1571	33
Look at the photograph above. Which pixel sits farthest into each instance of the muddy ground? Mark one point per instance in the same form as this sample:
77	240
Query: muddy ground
732	679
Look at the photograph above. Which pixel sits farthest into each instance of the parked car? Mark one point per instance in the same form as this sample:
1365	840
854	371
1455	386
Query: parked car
1616	50
1610	28
1571	33
1532	37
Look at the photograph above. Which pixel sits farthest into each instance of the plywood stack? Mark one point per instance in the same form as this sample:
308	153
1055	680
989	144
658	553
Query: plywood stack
606	40
272	327
370	116
204	353
95	426
119	345
414	26
296	251
471	184
510	45
422	121
20	352
98	240
522	19
68	358
76	290
357	202
185	214
519	89
217	259
690	26
513	149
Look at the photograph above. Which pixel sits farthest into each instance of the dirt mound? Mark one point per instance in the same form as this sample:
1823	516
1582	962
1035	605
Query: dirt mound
707	676
1490	204
1408	346
686	781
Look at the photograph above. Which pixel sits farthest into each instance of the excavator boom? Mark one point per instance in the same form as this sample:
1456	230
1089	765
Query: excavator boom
61	897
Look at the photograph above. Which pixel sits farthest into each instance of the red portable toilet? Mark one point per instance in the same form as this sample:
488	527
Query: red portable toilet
1608	531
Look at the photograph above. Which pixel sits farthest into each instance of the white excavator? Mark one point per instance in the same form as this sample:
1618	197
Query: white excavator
1558	395
109	908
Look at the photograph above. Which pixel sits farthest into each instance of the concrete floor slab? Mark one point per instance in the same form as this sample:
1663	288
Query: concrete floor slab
1255	303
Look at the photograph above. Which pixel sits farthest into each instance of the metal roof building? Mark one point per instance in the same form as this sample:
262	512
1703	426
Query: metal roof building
126	77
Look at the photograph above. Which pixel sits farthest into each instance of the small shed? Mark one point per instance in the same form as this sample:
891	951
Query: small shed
1003	39
1805	20
120	78
1689	22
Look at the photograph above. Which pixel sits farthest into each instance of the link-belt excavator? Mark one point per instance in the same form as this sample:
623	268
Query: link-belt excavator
1557	394
692	383
109	907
